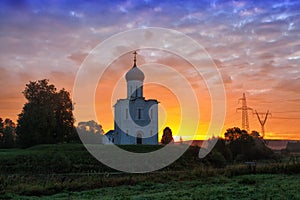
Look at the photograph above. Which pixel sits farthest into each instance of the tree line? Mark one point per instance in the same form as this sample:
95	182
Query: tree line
47	118
7	133
239	146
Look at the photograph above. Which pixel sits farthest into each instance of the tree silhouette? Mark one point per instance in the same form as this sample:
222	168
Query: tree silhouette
167	136
1	127
246	146
233	134
7	133
181	140
255	134
64	117
90	132
47	117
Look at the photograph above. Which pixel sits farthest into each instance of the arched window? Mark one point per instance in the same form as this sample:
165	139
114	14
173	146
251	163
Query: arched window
139	139
139	113
136	91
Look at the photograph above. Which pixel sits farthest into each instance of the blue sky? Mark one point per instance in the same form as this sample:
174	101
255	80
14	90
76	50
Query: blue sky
255	44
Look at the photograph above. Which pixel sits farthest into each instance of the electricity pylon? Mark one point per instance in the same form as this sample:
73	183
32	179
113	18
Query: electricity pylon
244	109
262	122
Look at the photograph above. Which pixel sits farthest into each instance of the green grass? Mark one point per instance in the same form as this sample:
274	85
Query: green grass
262	186
68	169
45	159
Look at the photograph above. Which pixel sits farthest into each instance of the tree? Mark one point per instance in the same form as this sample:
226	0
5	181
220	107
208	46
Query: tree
167	136
7	133
255	134
90	132
1	131
216	159
1	126
232	134
47	117
65	130
181	140
220	146
246	146
239	140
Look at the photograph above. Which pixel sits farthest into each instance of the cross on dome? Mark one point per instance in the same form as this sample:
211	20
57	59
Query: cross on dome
135	73
134	60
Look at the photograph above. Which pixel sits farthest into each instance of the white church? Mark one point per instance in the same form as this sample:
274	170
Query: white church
136	118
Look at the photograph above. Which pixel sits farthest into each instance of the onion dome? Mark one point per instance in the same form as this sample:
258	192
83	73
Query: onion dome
135	73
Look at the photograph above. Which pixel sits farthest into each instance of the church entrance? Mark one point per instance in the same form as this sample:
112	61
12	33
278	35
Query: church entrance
139	139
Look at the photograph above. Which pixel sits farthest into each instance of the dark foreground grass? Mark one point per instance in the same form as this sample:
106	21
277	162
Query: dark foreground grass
259	186
74	158
67	170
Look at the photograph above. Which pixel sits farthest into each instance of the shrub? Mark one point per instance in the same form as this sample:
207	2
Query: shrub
217	159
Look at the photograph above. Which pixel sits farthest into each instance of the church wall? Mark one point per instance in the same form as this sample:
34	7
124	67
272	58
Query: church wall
134	89
136	119
144	125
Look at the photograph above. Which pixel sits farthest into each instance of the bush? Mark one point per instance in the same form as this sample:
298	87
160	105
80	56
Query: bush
217	159
224	150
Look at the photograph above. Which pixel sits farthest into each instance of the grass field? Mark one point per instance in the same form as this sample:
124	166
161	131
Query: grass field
262	186
68	171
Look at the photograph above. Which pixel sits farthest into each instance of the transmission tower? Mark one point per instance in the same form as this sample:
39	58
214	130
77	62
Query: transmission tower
262	122
244	109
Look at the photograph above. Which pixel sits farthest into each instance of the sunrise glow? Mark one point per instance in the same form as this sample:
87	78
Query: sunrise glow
254	44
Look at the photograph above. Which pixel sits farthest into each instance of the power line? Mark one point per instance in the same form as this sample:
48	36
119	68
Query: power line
262	121
292	111
244	109
285	117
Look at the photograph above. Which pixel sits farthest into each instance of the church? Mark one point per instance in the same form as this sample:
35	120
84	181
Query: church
136	118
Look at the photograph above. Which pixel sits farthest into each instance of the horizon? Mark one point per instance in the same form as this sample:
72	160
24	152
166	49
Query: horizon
255	46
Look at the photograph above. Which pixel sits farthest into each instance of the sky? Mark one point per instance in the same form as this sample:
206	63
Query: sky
254	44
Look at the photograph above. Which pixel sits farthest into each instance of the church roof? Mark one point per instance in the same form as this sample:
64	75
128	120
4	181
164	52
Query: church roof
110	133
135	73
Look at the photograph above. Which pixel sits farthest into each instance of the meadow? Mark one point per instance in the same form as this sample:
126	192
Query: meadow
259	186
68	171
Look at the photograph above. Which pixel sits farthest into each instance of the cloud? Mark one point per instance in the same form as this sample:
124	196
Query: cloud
255	44
226	77
258	91
289	85
78	57
266	56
